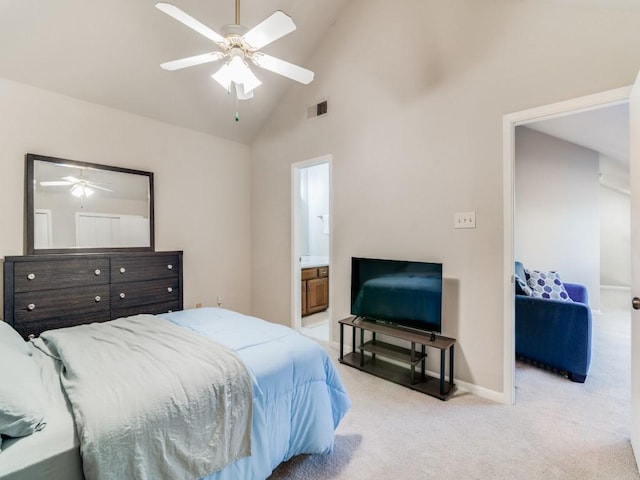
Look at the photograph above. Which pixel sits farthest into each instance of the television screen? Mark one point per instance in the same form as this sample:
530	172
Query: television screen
400	292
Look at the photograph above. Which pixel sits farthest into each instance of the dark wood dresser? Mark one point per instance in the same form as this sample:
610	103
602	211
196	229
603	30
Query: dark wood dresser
42	292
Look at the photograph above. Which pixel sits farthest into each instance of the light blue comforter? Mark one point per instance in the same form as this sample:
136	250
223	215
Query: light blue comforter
298	397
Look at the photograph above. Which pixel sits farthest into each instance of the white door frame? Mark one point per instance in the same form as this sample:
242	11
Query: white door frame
510	122
296	300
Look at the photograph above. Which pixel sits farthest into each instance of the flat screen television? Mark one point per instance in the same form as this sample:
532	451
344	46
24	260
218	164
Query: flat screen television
399	292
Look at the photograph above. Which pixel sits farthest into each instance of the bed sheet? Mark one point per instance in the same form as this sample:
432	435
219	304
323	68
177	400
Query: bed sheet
298	399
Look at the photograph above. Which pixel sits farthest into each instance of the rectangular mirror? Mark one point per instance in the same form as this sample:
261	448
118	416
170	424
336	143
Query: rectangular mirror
75	207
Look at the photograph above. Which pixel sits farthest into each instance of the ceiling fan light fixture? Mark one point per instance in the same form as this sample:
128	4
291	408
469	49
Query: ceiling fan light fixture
80	191
223	77
237	71
241	94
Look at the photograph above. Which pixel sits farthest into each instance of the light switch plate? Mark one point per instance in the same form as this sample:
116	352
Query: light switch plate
465	220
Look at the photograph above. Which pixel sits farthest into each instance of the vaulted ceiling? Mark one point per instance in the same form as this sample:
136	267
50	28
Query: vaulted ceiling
109	53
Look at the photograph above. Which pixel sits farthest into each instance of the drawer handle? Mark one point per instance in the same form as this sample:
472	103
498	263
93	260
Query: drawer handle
31	306
122	269
122	295
97	271
98	298
31	276
169	289
170	267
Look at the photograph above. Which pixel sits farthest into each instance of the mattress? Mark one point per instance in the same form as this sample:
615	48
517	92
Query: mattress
298	401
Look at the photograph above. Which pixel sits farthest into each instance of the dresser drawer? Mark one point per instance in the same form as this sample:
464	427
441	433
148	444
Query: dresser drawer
57	274
36	327
135	269
32	306
131	294
151	309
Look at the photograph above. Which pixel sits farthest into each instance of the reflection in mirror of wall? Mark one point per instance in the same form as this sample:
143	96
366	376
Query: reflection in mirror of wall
87	207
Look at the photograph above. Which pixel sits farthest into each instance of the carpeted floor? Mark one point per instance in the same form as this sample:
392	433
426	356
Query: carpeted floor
557	429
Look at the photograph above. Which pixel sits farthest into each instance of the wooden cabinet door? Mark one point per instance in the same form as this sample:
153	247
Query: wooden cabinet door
304	298
317	294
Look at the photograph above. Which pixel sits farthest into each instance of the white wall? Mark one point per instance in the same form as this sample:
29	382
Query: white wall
201	182
615	251
557	213
316	178
417	91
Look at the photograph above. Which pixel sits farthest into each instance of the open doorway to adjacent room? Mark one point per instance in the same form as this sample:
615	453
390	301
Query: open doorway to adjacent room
311	242
567	208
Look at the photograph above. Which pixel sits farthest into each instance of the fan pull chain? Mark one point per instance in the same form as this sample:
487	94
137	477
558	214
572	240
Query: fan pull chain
237	113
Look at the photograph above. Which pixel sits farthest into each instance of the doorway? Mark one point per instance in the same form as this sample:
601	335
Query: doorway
311	252
558	110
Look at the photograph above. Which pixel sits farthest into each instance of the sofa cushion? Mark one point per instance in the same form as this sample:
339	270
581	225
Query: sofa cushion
547	285
521	286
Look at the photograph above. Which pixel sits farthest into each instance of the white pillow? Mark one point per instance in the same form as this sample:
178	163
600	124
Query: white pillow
22	397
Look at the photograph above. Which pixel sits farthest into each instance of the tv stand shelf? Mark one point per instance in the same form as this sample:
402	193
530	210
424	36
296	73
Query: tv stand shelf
365	356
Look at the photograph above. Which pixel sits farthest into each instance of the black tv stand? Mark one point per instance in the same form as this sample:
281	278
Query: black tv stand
365	356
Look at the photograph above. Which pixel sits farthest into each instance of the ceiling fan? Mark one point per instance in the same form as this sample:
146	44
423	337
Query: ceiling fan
80	187
237	47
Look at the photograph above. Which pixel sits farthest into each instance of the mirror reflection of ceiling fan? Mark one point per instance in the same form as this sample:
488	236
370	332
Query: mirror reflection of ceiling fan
80	187
237	47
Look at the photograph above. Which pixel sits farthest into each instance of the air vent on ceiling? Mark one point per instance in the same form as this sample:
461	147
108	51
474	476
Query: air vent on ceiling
317	110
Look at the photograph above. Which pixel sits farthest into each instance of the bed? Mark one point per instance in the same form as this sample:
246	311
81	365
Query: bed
297	397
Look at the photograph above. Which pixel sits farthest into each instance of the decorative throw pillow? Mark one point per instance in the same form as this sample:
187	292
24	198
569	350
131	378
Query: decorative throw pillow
547	285
522	288
22	397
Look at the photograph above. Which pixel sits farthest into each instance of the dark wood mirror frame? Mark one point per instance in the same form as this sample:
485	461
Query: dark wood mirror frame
30	208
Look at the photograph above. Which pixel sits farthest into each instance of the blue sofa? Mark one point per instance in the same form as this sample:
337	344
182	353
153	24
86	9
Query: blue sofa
554	333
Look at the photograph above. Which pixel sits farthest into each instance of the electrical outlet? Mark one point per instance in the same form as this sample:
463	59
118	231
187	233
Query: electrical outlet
219	300
465	220
198	305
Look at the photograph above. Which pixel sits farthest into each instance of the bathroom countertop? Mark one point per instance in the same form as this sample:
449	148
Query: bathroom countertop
311	261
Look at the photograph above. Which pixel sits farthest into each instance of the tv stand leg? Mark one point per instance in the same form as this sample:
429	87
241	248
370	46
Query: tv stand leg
451	365
413	365
373	337
353	339
442	362
422	366
361	350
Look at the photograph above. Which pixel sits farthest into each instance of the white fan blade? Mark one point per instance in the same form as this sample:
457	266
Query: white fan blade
281	67
270	29
93	185
54	184
189	21
191	61
72	179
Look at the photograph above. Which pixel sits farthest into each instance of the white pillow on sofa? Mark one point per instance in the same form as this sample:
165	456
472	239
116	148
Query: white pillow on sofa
547	285
22	397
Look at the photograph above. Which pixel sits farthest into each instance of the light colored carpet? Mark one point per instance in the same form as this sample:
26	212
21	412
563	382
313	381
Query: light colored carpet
557	429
